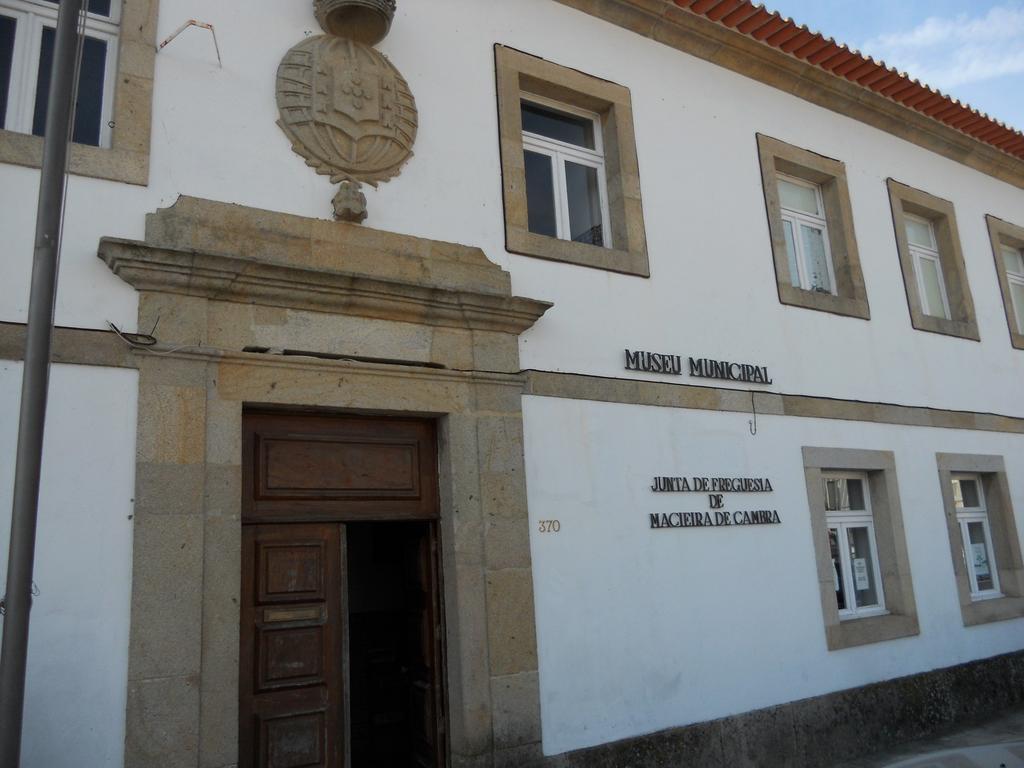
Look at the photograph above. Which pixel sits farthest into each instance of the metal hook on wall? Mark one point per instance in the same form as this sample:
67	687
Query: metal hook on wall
752	424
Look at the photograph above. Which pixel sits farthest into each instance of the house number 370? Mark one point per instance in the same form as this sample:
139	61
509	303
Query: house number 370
550	526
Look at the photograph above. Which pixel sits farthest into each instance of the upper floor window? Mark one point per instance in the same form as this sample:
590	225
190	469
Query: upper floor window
976	535
1008	249
1013	260
566	192
851	542
807	249
27	34
810	220
569	169
927	266
932	262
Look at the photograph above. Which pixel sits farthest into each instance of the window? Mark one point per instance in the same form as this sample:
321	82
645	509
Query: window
976	537
563	155
934	273
810	220
1008	249
569	167
983	540
803	219
924	249
112	119
27	57
851	542
1013	262
866	592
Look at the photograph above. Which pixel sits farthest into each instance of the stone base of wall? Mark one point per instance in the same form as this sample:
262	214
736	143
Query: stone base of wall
825	730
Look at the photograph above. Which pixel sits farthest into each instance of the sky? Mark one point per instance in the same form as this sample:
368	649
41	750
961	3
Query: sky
972	50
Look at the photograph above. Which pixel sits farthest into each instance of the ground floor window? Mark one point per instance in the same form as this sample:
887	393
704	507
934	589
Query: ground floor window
851	541
976	535
856	521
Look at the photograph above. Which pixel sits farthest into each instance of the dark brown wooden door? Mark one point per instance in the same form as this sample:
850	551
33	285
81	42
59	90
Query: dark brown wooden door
291	687
421	634
309	480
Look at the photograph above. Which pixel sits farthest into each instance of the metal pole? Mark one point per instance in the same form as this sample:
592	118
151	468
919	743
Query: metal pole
35	383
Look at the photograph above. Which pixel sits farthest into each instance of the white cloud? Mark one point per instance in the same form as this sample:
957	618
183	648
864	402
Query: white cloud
948	52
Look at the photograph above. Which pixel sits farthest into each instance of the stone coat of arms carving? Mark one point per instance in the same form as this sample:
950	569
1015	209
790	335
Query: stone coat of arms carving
348	112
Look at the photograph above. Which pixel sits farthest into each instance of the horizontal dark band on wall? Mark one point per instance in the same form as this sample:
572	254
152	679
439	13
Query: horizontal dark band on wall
73	346
634	392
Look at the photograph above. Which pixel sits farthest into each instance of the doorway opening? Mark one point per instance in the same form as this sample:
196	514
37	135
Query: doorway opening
392	654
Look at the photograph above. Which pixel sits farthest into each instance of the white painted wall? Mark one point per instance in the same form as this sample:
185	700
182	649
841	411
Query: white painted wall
642	629
712	290
78	638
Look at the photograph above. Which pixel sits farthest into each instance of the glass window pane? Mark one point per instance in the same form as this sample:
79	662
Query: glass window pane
965	493
560	126
794	272
797	197
815	259
581	186
540	194
919	232
932	287
1017	297
1014	261
862	561
88	109
979	554
833	547
7	29
844	494
99	7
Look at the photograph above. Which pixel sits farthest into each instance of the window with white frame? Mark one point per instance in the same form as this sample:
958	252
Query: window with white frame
851	542
27	33
807	241
566	191
924	250
976	536
1013	259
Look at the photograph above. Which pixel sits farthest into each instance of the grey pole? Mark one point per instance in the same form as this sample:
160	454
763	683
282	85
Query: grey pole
35	383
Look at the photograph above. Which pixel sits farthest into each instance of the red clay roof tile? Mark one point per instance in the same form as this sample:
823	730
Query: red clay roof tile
785	35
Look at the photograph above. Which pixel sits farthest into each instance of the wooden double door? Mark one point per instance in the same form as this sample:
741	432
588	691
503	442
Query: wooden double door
341	652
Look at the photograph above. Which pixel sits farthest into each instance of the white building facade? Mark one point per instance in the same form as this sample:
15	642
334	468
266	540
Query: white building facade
680	376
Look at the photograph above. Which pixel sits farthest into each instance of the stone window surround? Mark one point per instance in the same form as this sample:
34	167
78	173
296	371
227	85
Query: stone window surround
890	540
962	322
1004	233
127	158
519	72
851	295
1003	528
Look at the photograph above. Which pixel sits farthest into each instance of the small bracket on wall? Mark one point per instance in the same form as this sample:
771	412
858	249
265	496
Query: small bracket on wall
194	23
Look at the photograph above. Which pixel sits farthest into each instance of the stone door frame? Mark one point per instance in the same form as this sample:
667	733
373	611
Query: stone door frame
183	657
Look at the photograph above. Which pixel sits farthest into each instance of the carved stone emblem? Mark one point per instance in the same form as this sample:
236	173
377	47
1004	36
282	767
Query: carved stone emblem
348	112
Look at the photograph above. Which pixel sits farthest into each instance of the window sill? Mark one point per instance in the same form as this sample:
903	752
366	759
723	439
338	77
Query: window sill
960	329
985	611
131	167
864	630
980	596
526	243
824	302
865	614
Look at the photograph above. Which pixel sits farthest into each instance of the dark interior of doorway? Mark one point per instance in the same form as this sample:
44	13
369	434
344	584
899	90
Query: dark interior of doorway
391	644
